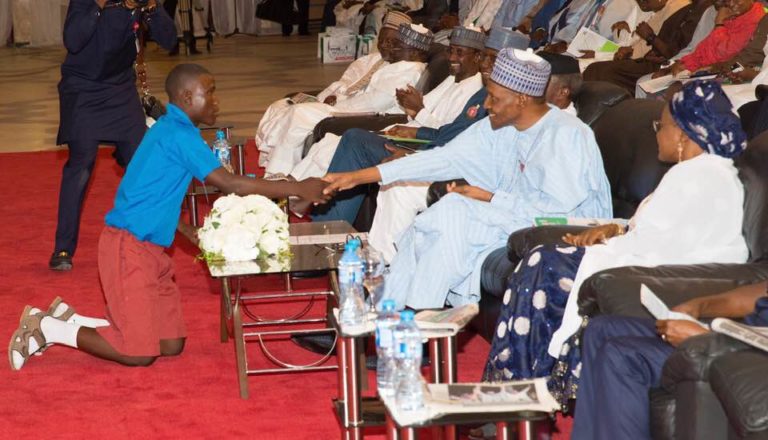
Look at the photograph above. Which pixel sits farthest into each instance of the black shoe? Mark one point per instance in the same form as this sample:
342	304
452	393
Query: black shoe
320	343
61	261
174	51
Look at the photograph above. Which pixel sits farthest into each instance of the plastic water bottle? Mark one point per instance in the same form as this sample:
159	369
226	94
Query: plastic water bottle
385	347
222	150
351	304
409	394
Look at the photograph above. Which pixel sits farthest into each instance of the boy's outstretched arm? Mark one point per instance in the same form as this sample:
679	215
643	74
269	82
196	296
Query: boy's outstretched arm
309	189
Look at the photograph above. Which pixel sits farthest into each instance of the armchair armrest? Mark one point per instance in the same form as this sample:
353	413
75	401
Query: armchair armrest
617	291
692	359
738	380
339	124
523	240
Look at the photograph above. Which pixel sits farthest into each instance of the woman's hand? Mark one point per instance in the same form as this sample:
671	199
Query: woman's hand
676	331
598	234
473	192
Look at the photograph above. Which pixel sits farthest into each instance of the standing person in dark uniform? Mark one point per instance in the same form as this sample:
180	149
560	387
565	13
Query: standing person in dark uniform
301	17
98	98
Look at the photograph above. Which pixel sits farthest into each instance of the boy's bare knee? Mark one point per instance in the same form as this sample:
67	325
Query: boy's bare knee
172	347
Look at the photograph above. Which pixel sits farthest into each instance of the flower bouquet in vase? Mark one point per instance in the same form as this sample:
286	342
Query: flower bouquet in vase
244	228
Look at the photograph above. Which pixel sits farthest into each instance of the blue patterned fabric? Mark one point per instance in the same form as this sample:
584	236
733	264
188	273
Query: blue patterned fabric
461	36
411	37
521	71
501	38
703	111
532	310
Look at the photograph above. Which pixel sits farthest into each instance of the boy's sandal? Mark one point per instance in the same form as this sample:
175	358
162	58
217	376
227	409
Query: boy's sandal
29	328
64	316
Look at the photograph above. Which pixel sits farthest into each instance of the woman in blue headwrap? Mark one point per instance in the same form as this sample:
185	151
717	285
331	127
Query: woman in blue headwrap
694	216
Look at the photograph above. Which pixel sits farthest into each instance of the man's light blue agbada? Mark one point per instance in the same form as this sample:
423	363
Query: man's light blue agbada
553	168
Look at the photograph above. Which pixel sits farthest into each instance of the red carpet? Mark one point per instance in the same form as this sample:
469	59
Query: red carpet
67	394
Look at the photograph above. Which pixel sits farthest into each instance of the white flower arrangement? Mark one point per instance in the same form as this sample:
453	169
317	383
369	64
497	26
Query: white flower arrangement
244	228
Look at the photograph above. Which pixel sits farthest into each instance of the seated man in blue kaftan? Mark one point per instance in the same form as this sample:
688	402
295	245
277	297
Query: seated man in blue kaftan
526	160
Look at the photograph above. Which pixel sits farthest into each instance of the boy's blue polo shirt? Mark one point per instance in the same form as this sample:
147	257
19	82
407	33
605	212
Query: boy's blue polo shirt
148	200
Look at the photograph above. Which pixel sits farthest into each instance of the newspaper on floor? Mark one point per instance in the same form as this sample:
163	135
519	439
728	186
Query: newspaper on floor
467	398
754	336
659	310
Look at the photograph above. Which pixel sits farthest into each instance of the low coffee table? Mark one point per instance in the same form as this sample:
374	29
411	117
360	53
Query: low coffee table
468	404
315	247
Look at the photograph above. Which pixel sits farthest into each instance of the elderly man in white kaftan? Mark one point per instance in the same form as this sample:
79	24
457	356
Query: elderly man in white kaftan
439	107
525	160
352	83
286	140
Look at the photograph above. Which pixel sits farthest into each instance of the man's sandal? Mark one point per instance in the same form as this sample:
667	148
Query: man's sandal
29	328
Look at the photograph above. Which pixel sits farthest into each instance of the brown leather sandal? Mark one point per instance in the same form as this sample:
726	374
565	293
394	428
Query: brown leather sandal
64	316
29	328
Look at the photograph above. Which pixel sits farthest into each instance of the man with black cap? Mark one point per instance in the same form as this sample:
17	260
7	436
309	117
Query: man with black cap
284	143
525	160
565	81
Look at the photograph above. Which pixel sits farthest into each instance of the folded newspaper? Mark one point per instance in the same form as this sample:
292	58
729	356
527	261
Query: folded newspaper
477	398
446	321
659	310
754	336
432	323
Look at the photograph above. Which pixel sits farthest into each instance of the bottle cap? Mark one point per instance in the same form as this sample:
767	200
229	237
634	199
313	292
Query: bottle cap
388	305
220	135
406	315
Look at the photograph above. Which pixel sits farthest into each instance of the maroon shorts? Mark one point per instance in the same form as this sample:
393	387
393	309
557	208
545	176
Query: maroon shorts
143	301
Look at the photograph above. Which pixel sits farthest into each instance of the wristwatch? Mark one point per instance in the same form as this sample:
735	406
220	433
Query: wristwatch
651	39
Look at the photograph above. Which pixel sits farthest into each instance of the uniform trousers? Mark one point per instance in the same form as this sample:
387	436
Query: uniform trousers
74	183
622	359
